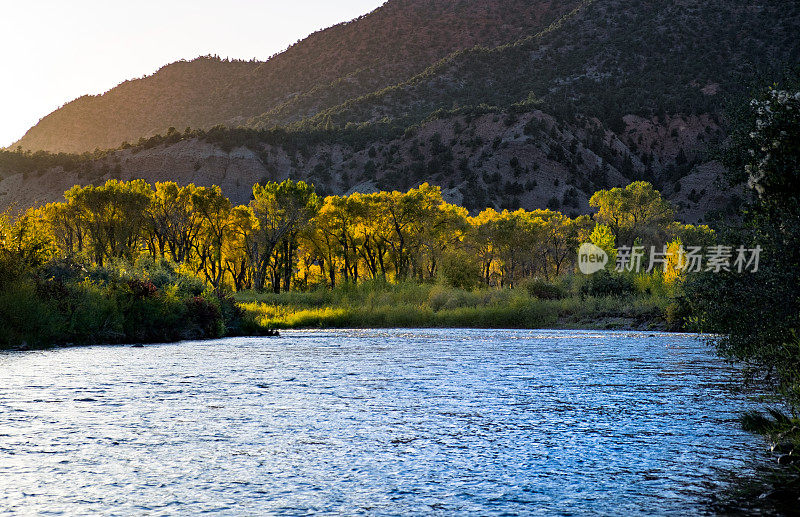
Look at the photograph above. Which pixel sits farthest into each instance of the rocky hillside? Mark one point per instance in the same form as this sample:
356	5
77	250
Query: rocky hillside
386	46
480	157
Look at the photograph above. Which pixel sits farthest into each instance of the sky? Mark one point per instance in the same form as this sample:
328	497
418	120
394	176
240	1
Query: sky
53	51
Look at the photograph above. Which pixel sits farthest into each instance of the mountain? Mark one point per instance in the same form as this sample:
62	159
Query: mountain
592	94
386	46
606	59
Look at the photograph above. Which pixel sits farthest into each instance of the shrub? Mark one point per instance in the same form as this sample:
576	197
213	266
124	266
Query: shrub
150	301
444	298
543	290
206	316
26	318
605	283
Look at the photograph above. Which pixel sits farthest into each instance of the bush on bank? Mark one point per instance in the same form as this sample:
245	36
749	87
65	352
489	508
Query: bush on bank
60	302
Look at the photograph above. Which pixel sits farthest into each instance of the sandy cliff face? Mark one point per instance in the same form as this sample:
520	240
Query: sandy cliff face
530	160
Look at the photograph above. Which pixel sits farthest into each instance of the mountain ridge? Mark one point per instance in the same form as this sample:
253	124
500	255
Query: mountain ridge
630	91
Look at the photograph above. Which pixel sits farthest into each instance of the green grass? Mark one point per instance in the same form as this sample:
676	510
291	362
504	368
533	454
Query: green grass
381	305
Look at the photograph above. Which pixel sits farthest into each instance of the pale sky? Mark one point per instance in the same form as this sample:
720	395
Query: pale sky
53	51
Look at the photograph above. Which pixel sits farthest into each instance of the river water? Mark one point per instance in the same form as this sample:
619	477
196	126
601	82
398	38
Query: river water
372	422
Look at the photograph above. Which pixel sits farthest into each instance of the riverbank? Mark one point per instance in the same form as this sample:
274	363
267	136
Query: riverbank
379	305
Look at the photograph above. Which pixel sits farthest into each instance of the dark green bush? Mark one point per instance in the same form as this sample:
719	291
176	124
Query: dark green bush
205	315
26	318
605	283
543	289
460	270
61	302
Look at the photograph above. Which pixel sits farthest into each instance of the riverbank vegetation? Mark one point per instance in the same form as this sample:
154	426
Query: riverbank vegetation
60	302
562	303
289	239
514	269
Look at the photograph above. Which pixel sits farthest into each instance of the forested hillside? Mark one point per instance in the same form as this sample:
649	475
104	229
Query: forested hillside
607	59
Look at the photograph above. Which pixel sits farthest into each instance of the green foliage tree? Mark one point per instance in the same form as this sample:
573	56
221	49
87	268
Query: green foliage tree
461	270
282	210
758	315
114	216
603	238
213	211
174	224
638	210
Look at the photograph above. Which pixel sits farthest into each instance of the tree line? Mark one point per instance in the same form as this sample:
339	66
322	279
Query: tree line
288	237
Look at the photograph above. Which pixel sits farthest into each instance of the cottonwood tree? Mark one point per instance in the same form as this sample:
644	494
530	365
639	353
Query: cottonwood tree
175	225
113	216
213	211
282	211
636	211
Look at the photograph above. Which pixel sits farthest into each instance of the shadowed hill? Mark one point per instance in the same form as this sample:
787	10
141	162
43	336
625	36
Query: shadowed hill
607	59
381	48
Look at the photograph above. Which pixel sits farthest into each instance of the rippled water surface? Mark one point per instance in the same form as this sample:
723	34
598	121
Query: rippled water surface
372	422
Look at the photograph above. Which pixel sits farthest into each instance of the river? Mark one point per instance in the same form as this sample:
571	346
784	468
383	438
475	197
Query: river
375	422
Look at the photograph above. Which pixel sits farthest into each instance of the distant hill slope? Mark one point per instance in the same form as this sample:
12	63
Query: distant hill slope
374	51
606	59
481	157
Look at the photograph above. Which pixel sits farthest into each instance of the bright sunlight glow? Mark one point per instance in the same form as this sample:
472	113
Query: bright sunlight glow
55	51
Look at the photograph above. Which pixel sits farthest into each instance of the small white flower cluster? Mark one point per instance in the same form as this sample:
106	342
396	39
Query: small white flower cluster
766	138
